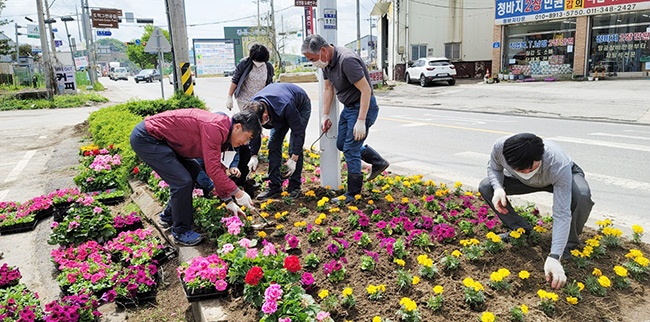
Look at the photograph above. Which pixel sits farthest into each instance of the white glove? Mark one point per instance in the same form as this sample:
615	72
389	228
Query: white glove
325	119
359	130
554	271
229	102
291	167
252	164
500	201
232	206
245	200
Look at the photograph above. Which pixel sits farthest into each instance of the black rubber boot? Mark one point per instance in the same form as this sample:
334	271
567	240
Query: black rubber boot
379	164
355	182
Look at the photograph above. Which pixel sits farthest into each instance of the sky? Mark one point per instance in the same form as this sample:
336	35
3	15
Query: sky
205	18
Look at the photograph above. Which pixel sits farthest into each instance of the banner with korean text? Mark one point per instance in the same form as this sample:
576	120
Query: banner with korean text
518	11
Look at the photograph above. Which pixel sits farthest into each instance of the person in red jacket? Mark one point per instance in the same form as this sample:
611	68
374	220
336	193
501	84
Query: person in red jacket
170	141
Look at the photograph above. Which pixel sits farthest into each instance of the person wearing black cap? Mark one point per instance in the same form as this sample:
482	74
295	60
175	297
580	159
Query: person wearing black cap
524	163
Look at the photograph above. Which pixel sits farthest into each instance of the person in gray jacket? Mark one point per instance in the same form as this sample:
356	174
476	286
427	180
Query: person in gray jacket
524	163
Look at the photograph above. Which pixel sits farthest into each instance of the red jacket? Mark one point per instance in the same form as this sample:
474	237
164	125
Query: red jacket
196	133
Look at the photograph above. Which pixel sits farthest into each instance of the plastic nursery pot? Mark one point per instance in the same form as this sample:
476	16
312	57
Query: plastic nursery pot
202	294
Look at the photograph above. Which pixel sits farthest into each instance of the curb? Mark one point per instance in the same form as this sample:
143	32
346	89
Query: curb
202	311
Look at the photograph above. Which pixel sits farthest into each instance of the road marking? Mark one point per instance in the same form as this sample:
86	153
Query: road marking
413	124
20	166
637	131
449	126
602	143
617	181
3	194
43	137
620	136
474	155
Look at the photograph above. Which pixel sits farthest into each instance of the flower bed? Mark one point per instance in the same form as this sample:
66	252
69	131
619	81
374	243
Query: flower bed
9	276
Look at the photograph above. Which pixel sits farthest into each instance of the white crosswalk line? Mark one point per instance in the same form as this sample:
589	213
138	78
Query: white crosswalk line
413	124
620	136
484	157
20	166
608	144
617	181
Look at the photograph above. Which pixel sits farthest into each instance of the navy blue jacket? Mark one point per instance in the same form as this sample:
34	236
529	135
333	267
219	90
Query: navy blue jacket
285	101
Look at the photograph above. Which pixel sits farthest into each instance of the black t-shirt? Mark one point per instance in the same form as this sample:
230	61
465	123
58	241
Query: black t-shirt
345	69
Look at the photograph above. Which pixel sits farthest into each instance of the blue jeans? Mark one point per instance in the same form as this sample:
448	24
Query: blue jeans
179	172
275	153
345	141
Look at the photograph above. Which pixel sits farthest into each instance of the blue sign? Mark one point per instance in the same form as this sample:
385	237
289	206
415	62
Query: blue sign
104	33
496	44
58	43
55	30
521	8
137	42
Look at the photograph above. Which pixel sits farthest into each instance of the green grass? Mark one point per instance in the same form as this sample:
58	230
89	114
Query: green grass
59	101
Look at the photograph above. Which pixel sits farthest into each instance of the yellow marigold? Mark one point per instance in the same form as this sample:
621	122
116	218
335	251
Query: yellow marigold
318	221
381	287
322	216
572	300
493	237
299	224
637	229
642	261
335	209
371	289
620	271
249	218
264	214
278	227
604	223
504	272
284	194
323	294
581	286
496	277
399	262
610	231
353	208
310	193
487	317
389	198
438	289
347	291
456	253
458	184
596	272
592	242
524	275
521	230
278	215
524	308
551	296
357	197
376	319
515	234
540	229
408	304
634	253
541	293
604	281
261	234
371	202
422	259
416	280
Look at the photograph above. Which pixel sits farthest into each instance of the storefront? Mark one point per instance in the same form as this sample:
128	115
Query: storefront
572	38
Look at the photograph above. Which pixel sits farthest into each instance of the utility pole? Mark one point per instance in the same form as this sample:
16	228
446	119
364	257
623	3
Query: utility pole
258	15
179	42
65	22
370	47
17	46
358	31
47	12
76	11
330	156
50	82
273	38
88	36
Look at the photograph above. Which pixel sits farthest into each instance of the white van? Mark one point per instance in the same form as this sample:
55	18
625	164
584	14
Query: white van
119	73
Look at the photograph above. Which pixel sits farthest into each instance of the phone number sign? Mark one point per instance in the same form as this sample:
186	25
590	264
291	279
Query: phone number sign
517	11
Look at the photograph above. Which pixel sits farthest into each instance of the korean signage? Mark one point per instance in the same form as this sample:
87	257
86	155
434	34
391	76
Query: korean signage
329	18
65	79
306	3
32	31
309	21
81	62
376	76
624	45
214	56
518	11
105	18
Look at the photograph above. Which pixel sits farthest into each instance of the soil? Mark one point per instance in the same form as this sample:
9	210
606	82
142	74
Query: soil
619	305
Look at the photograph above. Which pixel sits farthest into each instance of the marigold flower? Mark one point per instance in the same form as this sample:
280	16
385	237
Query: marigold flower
456	253
376	319
581	286
409	305
596	272
620	271
496	277
399	262
637	229
438	289
381	287
416	280
323	294
642	261
572	300
634	253
371	289
604	281
488	317
389	198
371	202
515	234
347	291
261	234
524	275
539	229
278	227
524	308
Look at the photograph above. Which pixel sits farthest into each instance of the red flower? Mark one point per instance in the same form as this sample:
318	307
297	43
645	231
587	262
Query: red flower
254	275
292	264
136	170
110	147
86	153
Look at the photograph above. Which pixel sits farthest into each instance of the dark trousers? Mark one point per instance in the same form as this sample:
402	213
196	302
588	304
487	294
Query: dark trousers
179	172
275	152
581	203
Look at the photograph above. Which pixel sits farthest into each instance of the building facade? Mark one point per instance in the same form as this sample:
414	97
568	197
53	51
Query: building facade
574	38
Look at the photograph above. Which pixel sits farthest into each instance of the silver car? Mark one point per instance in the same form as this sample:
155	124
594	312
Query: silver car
431	69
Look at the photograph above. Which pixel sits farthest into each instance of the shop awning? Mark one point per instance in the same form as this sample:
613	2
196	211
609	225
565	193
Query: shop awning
380	9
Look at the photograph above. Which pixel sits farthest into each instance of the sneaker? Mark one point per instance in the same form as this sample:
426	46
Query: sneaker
188	238
273	192
165	222
505	237
295	193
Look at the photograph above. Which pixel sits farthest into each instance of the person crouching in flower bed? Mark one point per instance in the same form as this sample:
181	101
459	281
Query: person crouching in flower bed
170	141
524	163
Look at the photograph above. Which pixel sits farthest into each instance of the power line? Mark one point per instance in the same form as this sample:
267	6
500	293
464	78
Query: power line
450	7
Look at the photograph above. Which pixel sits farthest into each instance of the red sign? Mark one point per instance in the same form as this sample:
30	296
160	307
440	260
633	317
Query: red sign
105	18
603	3
306	3
309	21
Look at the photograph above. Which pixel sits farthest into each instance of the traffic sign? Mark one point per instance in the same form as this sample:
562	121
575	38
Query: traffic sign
58	43
105	18
157	42
104	33
496	44
32	31
306	3
137	42
55	30
329	21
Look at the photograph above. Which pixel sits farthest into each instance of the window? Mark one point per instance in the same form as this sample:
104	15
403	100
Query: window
418	51
619	42
452	50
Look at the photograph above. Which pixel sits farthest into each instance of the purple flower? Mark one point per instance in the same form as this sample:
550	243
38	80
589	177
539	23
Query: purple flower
363	220
357	235
322	315
381	224
373	255
269	307
333	248
273	292
307	279
220	285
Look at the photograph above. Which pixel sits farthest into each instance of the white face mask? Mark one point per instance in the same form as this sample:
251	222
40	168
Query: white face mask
258	63
527	176
320	63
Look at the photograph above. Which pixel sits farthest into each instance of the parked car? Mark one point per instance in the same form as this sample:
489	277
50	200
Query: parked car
171	79
147	75
431	69
119	73
229	72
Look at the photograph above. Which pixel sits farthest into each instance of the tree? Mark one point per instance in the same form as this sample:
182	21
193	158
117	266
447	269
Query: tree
115	44
137	54
5	49
25	51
